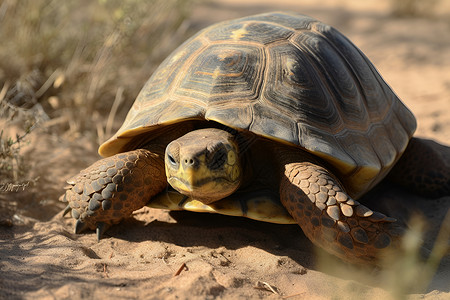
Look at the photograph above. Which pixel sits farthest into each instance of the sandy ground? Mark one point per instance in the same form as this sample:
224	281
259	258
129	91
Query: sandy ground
162	255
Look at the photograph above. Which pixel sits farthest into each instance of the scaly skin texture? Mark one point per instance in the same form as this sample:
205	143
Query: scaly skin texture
331	219
112	188
424	168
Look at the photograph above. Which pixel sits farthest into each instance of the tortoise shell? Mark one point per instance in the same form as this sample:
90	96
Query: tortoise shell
286	77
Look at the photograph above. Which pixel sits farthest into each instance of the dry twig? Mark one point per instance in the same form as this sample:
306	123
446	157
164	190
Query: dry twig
183	267
261	285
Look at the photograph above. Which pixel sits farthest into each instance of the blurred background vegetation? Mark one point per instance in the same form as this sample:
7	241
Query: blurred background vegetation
414	8
71	69
62	64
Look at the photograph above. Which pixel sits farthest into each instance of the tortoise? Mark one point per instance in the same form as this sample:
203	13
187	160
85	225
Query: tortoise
276	117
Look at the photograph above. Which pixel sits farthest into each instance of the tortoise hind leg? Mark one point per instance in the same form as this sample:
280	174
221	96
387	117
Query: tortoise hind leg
331	219
112	188
424	168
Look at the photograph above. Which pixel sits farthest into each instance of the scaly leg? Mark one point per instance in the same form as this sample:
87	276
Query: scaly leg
330	218
112	188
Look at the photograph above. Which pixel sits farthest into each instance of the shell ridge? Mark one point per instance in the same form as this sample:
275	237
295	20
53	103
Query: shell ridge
257	18
335	91
193	56
313	62
395	102
348	66
373	124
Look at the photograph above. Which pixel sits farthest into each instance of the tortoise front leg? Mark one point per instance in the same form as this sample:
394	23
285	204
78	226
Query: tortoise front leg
330	218
112	188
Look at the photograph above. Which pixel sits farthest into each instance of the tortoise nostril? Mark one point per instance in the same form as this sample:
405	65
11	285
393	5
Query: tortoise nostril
191	162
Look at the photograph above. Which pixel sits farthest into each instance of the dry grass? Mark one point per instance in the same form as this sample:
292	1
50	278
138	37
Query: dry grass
414	8
62	64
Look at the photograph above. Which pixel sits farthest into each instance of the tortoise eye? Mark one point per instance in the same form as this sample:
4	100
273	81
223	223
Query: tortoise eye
172	159
173	154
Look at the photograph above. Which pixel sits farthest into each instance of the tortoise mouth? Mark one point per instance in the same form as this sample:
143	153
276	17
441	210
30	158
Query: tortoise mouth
201	183
206	190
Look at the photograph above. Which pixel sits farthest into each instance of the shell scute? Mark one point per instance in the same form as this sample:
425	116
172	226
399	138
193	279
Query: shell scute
252	31
292	76
223	73
294	21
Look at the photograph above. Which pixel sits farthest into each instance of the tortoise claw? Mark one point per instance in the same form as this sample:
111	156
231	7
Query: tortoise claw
67	210
100	230
80	227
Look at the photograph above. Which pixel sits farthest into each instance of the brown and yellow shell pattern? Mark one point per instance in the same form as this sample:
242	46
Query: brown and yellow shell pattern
286	77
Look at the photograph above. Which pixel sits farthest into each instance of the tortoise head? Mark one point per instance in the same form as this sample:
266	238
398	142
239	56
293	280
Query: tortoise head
204	164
